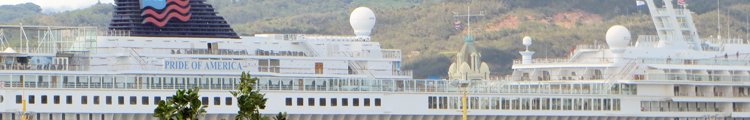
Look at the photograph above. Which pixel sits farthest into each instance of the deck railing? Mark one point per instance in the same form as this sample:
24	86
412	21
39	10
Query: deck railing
718	60
333	85
391	53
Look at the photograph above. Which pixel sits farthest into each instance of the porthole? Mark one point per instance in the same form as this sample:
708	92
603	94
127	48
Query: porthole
1	99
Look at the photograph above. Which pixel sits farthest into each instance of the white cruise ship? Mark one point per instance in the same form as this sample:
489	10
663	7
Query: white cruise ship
74	73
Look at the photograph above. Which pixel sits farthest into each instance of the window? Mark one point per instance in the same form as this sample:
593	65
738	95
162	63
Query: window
300	102
84	100
217	100
310	101
19	99
474	103
109	100
157	99
366	101
597	75
333	101
266	65
431	102
120	100
144	100
56	99
68	99
204	100
96	100
344	102
545	76
288	101
442	100
31	99
44	99
377	101
319	68
322	101
355	101
228	101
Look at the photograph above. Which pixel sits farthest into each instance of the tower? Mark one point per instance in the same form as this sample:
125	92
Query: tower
468	64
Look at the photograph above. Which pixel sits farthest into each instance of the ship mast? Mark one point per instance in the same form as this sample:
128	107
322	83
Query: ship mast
675	26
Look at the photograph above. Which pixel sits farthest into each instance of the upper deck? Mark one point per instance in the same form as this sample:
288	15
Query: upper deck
82	49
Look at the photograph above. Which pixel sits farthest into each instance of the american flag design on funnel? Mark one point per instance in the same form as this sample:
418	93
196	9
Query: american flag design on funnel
160	12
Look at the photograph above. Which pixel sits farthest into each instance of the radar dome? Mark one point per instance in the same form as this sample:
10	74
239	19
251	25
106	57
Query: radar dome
618	37
527	41
362	21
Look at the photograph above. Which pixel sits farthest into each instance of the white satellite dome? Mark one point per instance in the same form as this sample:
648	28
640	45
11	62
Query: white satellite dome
527	41
618	37
362	20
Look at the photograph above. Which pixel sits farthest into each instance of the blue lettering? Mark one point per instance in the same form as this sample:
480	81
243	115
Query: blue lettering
203	65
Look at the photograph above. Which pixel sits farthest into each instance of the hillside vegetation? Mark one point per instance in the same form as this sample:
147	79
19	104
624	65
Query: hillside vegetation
423	29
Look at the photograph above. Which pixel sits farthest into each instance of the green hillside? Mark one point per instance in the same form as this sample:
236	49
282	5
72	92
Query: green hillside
11	13
423	29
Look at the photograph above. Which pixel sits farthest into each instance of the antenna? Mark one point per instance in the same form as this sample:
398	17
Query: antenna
468	16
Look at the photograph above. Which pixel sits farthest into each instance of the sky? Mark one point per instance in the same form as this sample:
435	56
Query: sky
56	5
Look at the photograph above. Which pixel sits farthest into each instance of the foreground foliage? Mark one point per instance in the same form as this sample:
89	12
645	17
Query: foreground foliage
184	105
249	100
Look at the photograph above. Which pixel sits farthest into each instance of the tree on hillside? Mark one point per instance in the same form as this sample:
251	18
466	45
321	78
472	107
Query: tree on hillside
184	105
249	100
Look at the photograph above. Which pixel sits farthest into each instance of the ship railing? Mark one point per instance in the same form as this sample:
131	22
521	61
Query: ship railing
193	51
591	46
562	77
565	60
314	37
695	77
350	85
391	53
42	67
727	59
402	72
719	60
651	40
336	38
629	73
352	54
544	60
726	41
236	52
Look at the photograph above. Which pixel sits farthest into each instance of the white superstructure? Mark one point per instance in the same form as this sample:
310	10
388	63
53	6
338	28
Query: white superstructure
667	76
